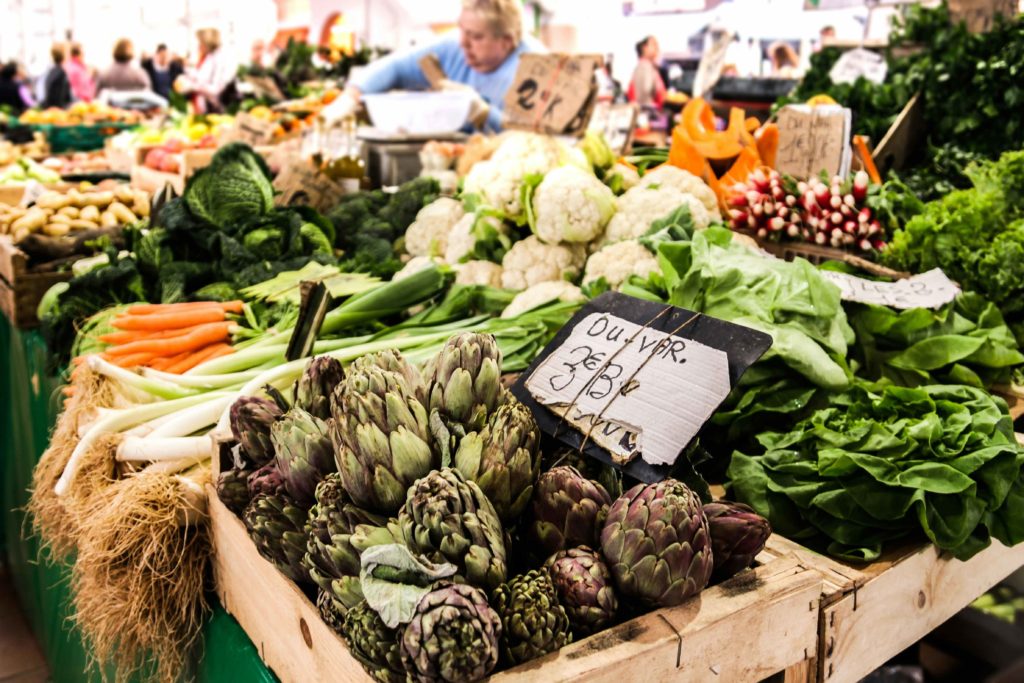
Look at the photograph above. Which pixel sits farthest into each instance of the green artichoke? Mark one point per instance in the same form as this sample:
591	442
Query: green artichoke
738	534
532	620
449	519
251	418
278	528
374	644
465	380
454	636
568	510
332	562
380	434
266	479
656	543
304	454
584	587
331	611
233	489
314	388
503	458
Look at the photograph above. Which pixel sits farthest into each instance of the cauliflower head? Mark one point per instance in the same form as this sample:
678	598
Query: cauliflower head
462	238
415	265
540	294
628	175
428	234
530	261
643	205
685	182
617	262
572	205
478	273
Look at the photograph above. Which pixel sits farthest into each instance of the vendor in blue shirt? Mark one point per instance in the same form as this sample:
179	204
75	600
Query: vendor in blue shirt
482	60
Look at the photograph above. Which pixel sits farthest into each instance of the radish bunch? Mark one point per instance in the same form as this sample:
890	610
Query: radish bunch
830	213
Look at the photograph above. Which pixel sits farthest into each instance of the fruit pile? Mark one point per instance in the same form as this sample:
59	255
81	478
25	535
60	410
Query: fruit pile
80	113
420	506
832	213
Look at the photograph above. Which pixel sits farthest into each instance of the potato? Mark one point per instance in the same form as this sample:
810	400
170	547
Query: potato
60	218
31	221
140	205
69	211
123	213
80	224
90	213
53	200
109	220
98	199
56	229
124	194
77	198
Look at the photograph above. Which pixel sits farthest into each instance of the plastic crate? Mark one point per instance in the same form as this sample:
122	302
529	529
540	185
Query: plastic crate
81	138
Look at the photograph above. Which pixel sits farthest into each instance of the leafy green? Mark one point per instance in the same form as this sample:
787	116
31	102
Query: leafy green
678	226
232	189
881	463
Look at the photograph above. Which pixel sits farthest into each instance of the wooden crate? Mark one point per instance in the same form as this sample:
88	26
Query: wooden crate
872	612
817	255
21	290
1014	401
759	623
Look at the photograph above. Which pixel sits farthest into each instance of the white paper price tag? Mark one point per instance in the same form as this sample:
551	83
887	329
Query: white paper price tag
859	62
630	388
927	290
33	190
712	62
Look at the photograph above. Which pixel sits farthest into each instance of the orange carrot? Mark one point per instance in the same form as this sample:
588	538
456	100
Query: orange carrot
867	159
162	362
177	358
200	356
168	321
78	360
68	390
126	336
201	336
131	360
148	309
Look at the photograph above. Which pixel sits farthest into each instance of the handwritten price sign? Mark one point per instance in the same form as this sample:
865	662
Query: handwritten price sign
813	139
552	93
927	290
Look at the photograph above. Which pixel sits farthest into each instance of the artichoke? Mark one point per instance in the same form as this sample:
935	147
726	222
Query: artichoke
332	562
568	510
454	636
233	489
374	644
465	380
251	418
449	519
657	545
266	479
738	534
503	458
380	432
278	528
331	611
584	587
591	468
532	621
314	388
302	443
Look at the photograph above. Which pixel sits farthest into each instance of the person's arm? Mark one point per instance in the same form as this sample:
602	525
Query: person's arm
397	70
643	83
145	82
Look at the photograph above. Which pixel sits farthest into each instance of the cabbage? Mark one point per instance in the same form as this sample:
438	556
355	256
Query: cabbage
233	189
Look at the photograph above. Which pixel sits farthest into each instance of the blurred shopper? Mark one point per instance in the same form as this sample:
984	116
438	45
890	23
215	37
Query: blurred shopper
213	74
14	92
785	62
56	87
826	35
80	76
647	88
162	70
122	74
481	60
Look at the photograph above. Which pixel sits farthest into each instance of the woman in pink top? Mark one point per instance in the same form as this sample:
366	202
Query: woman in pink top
83	87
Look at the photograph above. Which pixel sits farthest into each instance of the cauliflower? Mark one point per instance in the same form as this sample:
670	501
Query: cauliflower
466	235
540	294
616	262
530	261
428	234
478	273
628	178
571	205
415	265
685	182
643	205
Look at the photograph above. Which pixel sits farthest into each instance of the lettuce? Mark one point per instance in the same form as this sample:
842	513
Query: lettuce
233	189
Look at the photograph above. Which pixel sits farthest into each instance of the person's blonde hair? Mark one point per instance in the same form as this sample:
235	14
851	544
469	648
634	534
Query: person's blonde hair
209	38
503	17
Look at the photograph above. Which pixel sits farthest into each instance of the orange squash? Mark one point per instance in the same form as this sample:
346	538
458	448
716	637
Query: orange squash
768	144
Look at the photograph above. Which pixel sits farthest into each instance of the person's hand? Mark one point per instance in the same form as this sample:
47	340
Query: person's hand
344	106
478	109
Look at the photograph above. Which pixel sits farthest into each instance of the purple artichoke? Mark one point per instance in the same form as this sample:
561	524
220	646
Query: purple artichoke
266	479
304	454
568	510
738	534
251	418
657	545
584	585
314	388
233	489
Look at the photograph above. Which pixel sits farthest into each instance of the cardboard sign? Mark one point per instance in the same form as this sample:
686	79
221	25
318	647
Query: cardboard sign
859	62
300	182
251	130
631	382
264	87
927	290
552	94
980	15
616	122
814	139
709	70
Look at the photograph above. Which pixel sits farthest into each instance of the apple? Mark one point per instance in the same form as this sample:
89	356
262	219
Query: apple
155	158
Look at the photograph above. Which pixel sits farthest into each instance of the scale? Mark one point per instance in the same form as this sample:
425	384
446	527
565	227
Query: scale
393	158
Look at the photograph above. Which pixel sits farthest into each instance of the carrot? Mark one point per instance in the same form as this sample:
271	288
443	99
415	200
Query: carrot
201	336
78	360
162	362
148	309
867	159
127	336
131	360
68	390
177	358
167	321
200	356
